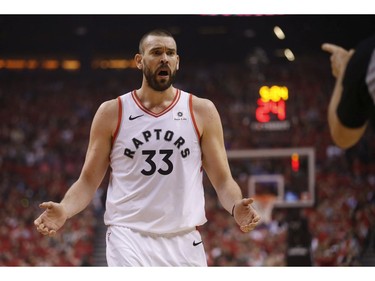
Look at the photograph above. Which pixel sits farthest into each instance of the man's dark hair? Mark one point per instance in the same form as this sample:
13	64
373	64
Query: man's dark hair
155	32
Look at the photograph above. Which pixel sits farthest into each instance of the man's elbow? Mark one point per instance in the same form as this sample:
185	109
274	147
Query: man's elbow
345	137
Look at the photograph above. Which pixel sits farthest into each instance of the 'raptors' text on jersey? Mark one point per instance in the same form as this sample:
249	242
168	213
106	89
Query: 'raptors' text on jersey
156	168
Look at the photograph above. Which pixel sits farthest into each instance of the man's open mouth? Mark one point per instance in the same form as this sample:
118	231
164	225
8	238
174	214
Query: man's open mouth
163	73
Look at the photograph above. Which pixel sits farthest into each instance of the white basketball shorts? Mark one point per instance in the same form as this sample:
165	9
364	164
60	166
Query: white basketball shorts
127	247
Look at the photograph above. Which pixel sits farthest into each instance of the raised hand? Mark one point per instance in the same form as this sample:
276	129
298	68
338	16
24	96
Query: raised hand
339	58
245	215
52	219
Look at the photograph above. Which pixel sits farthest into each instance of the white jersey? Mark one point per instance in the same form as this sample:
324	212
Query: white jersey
156	178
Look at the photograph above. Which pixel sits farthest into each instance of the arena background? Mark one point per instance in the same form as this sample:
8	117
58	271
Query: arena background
55	70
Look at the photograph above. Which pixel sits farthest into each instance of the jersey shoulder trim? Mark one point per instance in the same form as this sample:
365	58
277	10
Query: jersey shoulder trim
119	118
193	117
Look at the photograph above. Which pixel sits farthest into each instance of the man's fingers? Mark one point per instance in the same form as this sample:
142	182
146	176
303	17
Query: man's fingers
45	230
37	221
42	229
45	205
248	227
251	225
330	48
256	219
245	228
42	223
247	201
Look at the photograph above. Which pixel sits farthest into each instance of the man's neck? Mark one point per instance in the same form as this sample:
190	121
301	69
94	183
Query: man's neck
156	101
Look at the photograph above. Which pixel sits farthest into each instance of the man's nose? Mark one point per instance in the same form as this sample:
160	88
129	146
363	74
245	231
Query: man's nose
164	58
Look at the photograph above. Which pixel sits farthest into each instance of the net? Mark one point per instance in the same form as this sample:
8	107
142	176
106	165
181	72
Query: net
264	204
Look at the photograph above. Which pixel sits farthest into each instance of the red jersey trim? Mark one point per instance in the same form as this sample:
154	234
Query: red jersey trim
193	117
140	105
194	122
118	120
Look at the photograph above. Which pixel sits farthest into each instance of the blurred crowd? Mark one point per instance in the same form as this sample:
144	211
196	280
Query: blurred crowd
44	128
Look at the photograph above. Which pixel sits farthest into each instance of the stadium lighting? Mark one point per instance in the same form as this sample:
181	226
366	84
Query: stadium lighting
289	55
279	32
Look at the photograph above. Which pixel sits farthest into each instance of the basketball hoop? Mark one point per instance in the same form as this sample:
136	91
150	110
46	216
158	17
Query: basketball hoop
264	204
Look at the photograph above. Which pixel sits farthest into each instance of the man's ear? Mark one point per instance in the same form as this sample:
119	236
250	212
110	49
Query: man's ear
138	61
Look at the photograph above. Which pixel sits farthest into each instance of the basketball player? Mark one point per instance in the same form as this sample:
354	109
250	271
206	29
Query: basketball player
353	100
157	140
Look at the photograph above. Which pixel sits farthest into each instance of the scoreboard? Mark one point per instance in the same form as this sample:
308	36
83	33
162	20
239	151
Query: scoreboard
271	111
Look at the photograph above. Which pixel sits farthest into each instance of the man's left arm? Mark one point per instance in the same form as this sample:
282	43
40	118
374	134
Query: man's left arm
215	163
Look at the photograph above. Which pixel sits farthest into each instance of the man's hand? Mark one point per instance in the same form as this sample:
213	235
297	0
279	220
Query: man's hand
245	215
339	58
52	219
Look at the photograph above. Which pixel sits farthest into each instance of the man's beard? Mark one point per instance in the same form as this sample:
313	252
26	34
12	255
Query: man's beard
154	83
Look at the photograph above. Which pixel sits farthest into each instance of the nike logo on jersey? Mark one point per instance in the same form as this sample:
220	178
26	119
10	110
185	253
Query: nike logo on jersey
135	117
196	243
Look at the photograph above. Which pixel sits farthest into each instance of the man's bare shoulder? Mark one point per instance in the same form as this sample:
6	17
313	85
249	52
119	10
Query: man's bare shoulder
108	109
107	114
206	114
109	105
202	104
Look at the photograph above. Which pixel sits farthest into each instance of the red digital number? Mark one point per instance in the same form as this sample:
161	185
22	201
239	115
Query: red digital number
262	113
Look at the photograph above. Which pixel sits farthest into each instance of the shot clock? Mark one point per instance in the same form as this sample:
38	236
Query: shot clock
270	113
271	101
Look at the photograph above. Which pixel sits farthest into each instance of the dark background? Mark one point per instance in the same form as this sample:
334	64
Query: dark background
199	37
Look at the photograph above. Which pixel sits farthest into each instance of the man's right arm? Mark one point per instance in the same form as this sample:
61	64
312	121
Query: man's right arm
342	135
97	160
94	169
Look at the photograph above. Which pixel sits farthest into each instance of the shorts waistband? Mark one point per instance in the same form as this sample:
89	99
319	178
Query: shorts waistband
152	234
